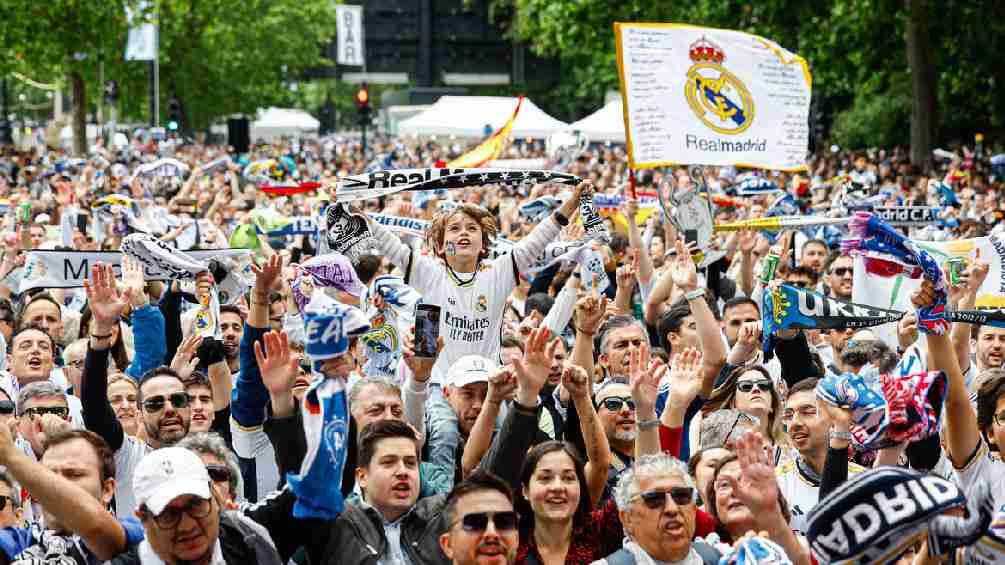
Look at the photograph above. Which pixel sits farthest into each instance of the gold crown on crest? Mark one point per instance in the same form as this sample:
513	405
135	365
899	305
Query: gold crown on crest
705	50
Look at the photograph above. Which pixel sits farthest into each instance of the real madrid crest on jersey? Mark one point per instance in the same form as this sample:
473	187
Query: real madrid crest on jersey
717	96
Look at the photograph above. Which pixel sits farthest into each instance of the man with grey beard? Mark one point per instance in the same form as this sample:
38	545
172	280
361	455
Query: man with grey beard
616	410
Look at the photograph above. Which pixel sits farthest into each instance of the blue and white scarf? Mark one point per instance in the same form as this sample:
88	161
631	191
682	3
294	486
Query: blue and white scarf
330	326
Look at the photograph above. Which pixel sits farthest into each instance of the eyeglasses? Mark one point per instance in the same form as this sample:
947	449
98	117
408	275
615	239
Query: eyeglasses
805	412
614	403
3	503
6	407
681	496
999	417
842	271
801	284
218	473
61	411
155	404
747	386
479	521
169	518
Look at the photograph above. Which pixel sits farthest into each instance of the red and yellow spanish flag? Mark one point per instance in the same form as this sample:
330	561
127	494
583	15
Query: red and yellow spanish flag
491	148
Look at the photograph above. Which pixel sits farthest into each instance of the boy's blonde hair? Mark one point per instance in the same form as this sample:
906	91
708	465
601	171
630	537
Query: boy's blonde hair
480	215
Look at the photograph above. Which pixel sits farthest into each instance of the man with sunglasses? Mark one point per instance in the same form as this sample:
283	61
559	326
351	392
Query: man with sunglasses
36	403
161	397
184	522
483	524
656	502
840	276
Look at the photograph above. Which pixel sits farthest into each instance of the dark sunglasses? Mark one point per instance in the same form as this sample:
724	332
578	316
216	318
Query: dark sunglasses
218	473
801	284
747	386
842	271
681	496
614	403
479	521
156	403
60	411
6	407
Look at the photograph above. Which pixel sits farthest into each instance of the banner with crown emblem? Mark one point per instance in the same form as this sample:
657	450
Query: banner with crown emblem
705	96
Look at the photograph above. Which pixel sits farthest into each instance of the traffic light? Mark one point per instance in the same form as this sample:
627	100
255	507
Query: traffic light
174	114
363	103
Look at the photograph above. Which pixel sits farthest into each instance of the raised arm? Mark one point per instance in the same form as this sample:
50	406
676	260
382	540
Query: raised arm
149	333
645	381
970	282
502	385
685	275
279	370
526	252
963	435
414	392
758	489
75	508
598	451
627	276
644	265
106	303
249	396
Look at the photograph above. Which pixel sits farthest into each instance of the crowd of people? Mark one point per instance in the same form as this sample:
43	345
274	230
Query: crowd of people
253	407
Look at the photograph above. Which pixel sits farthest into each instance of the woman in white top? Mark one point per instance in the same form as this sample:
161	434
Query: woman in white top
459	277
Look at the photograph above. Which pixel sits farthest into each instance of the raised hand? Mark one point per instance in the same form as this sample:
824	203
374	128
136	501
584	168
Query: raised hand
267	275
757	486
576	381
502	385
628	272
185	361
907	330
925	295
590	310
133	281
278	366
685	377
644	379
105	300
532	371
421	367
684	272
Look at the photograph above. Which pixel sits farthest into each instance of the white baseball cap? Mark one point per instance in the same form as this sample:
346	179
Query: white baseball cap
166	474
470	369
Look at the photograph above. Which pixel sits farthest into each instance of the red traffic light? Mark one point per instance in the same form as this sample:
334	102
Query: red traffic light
362	97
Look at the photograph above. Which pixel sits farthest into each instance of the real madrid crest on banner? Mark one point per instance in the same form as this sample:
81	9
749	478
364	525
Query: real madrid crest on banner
704	96
717	96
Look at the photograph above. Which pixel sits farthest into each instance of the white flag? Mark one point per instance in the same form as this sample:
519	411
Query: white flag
141	44
349	35
696	95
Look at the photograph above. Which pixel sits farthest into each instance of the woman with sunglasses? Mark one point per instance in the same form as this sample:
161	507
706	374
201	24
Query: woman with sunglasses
751	390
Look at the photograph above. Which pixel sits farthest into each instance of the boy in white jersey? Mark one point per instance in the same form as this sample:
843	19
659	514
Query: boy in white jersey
461	279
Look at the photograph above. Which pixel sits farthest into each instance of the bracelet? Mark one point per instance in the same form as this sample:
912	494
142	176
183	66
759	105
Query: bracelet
560	219
648	424
693	294
837	434
584	332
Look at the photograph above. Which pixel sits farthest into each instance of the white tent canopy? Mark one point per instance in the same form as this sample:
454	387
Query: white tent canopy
273	123
466	116
606	124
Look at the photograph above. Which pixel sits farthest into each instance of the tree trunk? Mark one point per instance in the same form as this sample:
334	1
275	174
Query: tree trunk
924	104
78	92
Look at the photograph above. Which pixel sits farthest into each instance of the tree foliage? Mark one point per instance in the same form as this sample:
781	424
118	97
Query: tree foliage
856	49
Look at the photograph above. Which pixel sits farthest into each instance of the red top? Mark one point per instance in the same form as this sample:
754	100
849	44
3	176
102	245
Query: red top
600	536
670	440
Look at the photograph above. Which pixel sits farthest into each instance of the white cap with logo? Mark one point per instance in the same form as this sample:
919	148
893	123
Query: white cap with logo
470	369
166	474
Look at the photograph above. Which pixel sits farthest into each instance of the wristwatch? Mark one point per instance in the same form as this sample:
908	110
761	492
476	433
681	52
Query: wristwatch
560	219
648	424
837	434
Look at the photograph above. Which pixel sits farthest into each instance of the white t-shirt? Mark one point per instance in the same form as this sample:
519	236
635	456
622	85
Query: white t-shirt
472	303
984	467
801	491
127	457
